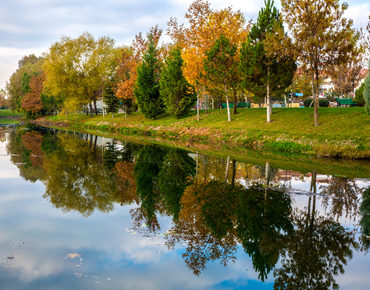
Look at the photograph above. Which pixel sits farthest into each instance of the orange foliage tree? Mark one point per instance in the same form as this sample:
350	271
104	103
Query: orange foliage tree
206	25
32	102
130	60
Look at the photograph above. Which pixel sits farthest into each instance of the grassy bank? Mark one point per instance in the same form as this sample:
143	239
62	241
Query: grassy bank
343	132
9	117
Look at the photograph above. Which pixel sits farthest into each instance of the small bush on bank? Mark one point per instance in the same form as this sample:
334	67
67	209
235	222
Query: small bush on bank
322	103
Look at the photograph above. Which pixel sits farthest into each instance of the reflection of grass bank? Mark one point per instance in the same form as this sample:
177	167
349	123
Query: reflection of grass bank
9	117
303	163
343	132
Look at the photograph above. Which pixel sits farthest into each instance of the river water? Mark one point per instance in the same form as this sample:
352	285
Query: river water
79	211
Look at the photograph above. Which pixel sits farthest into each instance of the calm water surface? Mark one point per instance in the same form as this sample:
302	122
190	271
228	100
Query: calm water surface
78	211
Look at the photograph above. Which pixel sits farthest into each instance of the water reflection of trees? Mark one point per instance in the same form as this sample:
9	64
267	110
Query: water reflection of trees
365	220
211	210
76	179
341	196
26	154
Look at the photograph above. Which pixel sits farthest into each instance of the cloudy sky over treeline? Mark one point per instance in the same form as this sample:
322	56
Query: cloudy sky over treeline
32	26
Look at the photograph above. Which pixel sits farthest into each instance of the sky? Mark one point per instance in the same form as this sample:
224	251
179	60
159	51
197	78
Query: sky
28	27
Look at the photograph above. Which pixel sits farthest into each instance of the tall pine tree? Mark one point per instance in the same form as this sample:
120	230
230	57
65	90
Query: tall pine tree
147	84
178	95
110	98
367	94
265	74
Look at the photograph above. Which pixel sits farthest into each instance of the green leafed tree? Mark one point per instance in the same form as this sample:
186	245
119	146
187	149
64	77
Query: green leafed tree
359	95
110	98
221	66
177	94
147	84
367	94
265	74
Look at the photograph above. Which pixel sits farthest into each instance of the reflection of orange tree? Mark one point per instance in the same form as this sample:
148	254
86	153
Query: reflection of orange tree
214	216
315	254
32	141
21	156
200	216
342	194
125	182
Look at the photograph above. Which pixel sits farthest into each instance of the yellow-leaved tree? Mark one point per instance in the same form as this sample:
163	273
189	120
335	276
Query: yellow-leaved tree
206	26
77	68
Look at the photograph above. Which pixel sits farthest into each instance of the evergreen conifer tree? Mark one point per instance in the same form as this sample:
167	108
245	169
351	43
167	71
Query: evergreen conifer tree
221	67
147	84
263	74
367	94
110	99
177	94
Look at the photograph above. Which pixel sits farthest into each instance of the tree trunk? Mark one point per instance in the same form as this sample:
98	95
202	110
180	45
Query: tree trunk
316	98
268	100
96	111
91	110
268	104
205	98
112	115
198	106
235	102
227	104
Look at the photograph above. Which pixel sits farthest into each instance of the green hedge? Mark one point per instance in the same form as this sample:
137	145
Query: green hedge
322	103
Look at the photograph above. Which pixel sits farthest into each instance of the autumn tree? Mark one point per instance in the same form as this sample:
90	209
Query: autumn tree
32	102
221	66
265	73
347	77
177	94
28	64
206	25
301	83
2	99
147	84
321	37
77	68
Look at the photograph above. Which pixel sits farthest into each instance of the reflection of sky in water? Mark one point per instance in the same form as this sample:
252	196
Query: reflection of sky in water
118	258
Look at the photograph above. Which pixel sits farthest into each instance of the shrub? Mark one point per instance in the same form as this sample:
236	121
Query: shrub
322	103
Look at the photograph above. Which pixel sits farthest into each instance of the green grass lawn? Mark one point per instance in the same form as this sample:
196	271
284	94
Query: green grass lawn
9	117
335	123
9	113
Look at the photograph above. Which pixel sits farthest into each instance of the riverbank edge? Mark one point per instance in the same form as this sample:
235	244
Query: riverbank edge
256	139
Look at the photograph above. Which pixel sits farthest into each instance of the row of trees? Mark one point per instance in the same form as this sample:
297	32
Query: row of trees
219	54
